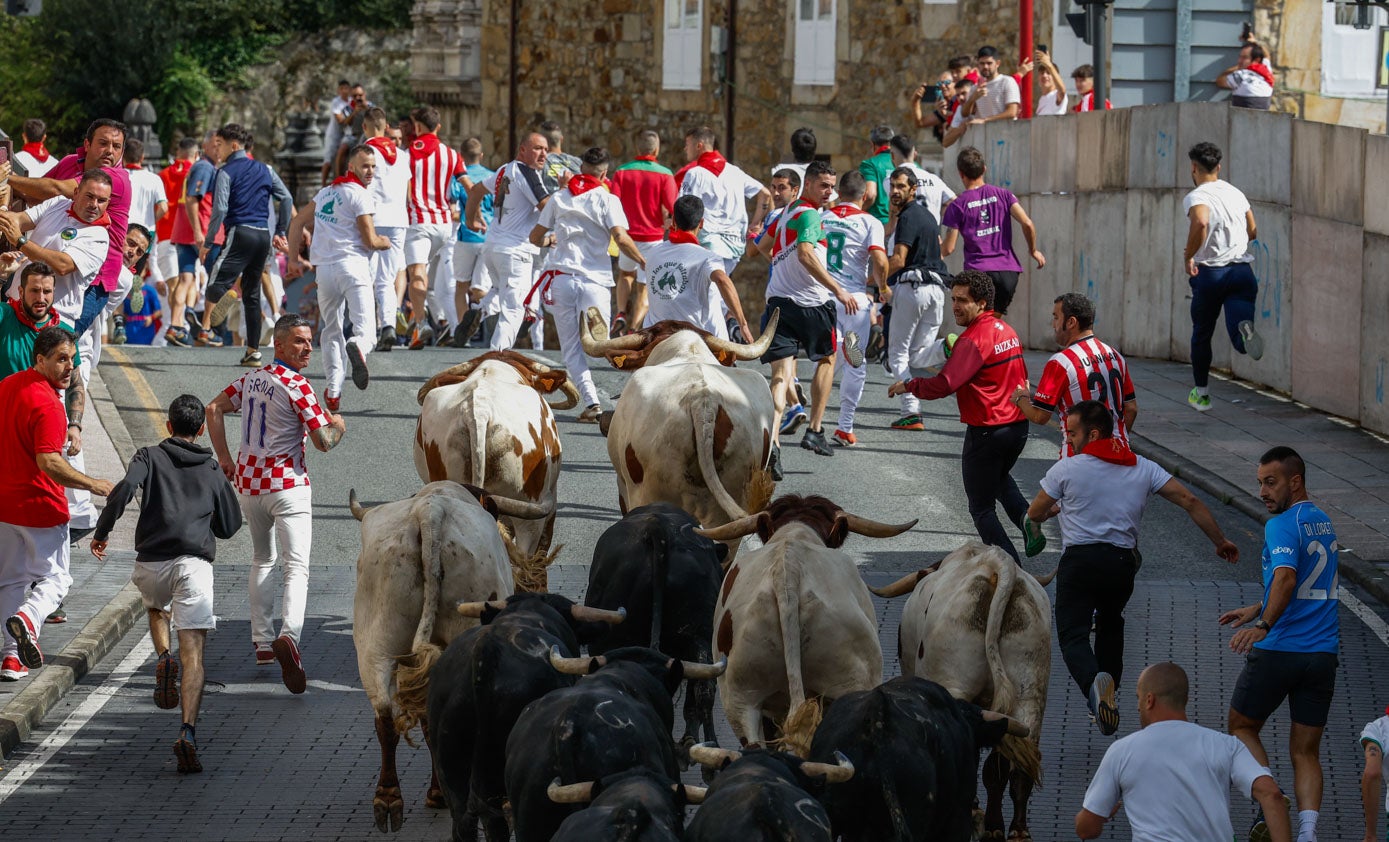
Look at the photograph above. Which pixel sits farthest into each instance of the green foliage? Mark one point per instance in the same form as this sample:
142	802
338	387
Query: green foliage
24	75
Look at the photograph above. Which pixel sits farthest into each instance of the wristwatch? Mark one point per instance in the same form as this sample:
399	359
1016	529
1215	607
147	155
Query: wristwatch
1263	624
22	241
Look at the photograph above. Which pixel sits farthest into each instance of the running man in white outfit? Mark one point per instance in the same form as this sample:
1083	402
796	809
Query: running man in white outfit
724	189
278	411
682	277
854	255
344	242
389	189
583	216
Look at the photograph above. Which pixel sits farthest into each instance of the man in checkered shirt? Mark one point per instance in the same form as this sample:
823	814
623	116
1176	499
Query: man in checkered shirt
278	411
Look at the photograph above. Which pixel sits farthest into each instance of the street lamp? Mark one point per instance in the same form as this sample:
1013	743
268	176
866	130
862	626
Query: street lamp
1089	26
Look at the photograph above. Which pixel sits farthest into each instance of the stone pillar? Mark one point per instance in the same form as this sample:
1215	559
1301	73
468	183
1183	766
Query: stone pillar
300	161
139	119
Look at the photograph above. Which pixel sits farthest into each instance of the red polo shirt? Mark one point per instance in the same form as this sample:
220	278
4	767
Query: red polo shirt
984	369
33	422
645	189
173	177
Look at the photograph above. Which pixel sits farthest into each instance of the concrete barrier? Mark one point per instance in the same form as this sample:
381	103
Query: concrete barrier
1376	184
1374	335
1258	158
1150	272
1022	312
1328	265
1328	171
1008	152
1199	122
1054	156
1273	314
1099	262
1153	151
1054	217
1090	145
1115	152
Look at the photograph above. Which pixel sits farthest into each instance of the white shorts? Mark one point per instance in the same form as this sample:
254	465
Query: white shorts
165	261
625	263
468	267
424	242
182	585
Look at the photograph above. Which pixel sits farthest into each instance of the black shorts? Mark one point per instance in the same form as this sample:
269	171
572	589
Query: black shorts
807	328
1005	286
1306	679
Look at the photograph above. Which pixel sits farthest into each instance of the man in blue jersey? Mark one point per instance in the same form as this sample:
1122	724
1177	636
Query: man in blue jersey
471	281
1292	636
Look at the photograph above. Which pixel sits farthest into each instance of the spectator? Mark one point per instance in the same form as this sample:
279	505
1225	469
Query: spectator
560	166
339	112
983	215
185	505
1084	77
1373	739
190	228
353	114
24	316
995	97
165	270
1250	81
1170	755
470	279
147	201
1053	99
144	324
930	190
940	95
724	189
959	123
647	192
35	157
875	170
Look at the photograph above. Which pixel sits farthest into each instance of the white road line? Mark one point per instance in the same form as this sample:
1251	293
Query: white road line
76	720
1368	617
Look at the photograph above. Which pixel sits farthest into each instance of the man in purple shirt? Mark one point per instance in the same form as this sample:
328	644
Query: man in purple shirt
981	213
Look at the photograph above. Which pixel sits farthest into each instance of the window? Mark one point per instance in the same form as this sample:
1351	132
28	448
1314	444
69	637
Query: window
815	31
682	65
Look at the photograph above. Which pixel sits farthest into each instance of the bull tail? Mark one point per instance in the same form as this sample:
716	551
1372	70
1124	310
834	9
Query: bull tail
1005	577
892	799
1024	754
703	414
412	671
477	441
786	582
656	548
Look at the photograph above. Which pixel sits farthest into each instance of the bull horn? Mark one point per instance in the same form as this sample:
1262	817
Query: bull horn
519	508
587	614
462	370
732	530
874	529
1015	727
904	585
700	672
570	793
357	509
693	794
596	347
842	771
573	666
746	352
712	756
476	609
571	396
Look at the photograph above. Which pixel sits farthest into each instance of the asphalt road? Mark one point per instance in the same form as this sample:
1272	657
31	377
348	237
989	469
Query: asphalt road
284	767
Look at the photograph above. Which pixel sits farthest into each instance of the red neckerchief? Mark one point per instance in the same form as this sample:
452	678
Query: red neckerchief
18	307
386	147
424	146
678	236
104	221
651	158
712	161
134	166
350	178
881	149
40	152
680	174
1258	67
1110	450
581	184
846	209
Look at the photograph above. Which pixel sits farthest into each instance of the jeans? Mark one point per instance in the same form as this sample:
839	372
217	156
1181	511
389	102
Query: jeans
93	302
243	256
1094	581
281	526
989	455
1233	287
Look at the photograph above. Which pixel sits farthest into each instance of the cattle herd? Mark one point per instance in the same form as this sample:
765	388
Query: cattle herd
548	719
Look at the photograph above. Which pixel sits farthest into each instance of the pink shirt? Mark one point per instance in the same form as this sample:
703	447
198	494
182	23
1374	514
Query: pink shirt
72	167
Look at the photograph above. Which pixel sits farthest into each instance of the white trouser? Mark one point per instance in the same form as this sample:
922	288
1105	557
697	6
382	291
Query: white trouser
917	313
572	297
385	265
37	556
441	302
82	513
851	382
511	271
281	525
345	282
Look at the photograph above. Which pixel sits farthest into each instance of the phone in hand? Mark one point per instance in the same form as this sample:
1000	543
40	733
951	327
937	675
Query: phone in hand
932	93
6	150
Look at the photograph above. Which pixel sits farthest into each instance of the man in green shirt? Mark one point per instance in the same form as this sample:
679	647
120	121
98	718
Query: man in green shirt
22	318
876	170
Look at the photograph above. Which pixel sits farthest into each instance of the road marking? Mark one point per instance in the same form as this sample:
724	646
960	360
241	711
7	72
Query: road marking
154	411
1368	617
77	720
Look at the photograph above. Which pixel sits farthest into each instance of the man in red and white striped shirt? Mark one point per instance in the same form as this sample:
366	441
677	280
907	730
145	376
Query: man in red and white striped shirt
1085	369
433	167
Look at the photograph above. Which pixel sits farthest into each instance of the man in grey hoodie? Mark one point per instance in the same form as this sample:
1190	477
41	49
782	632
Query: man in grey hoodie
187	504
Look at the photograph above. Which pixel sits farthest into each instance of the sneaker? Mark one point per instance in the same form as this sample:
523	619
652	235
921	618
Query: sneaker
619	326
1198	401
1253	342
385	340
793	419
422	336
265	656
908	422
210	339
166	682
774	464
178	337
224	306
12	670
291	666
1102	705
877	344
590	414
252	359
800	393
118	335
358	364
842	438
1035	541
22	629
58	617
467	328
332	403
853	353
814	441
137	300
186	750
1259	832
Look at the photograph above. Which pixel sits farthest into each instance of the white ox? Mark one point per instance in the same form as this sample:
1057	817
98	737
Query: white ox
794	619
485	423
980	626
688	430
421	557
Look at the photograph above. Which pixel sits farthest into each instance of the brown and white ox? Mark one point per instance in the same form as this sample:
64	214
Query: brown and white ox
794	619
486	423
980	626
689	429
421	557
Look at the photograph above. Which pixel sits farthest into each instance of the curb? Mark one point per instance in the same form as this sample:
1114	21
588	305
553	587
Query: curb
97	638
1354	568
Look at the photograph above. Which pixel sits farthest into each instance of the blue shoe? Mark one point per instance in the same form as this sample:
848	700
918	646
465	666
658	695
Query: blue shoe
793	419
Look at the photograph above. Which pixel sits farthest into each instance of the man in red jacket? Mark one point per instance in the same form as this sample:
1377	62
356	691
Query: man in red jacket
984	369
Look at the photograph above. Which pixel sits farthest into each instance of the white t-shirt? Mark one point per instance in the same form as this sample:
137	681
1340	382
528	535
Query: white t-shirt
1101	502
930	190
1248	83
725	198
389	189
1227	240
87	245
582	226
679	286
516	195
146	191
851	235
999	92
1174	780
1377	732
335	234
1047	104
333	135
36	170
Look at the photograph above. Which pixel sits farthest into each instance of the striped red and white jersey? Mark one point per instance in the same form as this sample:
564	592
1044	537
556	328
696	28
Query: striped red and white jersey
1085	370
431	172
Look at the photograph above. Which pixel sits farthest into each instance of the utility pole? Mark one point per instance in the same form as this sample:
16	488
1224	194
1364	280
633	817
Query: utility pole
1092	27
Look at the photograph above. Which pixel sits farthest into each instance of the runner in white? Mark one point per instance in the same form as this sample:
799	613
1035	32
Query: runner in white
682	278
578	274
724	189
34	156
344	240
147	200
854	255
389	190
433	166
278	411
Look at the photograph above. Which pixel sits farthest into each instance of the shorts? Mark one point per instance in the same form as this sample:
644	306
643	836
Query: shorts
468	267
1306	679
183	585
424	241
187	257
811	329
1005	287
625	263
165	261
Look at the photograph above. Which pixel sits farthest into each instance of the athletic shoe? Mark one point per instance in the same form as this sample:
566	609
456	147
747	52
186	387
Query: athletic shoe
118	334
166	682
332	403
1032	533
1259	832
186	750
1253	342
774	464
212	340
265	656
877	344
908	422
358	363
12	670
22	629
814	441
800	393
58	617
178	337
1198	401
842	438
422	336
291	666
793	419
619	326
467	328
252	359
853	354
735	331
385	340
224	306
950	340
1102	704
590	414
137	300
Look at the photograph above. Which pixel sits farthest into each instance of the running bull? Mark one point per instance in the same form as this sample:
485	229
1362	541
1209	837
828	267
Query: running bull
764	796
638	805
